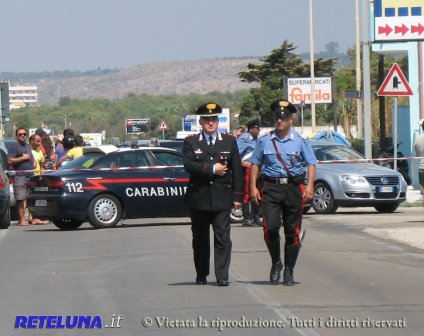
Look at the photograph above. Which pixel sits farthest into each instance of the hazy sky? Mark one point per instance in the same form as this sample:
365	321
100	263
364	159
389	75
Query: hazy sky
39	35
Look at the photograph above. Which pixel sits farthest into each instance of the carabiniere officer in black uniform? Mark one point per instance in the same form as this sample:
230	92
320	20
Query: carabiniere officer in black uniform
216	186
281	156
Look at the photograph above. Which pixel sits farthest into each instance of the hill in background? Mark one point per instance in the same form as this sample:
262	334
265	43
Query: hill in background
180	78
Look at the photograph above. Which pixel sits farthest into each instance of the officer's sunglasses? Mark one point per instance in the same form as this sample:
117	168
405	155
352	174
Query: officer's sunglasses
210	119
281	118
22	134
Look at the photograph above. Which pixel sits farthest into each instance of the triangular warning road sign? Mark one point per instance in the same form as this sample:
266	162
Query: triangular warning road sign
395	84
163	126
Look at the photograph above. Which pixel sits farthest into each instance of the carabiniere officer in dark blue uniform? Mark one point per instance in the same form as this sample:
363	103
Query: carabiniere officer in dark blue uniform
216	186
281	156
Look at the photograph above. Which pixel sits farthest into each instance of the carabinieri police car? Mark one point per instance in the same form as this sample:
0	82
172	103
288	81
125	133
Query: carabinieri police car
108	184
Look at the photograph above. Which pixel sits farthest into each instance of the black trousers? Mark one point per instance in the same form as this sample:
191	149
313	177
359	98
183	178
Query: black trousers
282	201
200	227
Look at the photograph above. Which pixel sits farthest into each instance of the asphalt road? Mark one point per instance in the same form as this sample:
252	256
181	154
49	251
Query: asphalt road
355	279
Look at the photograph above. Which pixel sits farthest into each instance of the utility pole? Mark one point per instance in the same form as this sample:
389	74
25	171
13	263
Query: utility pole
312	61
358	69
367	80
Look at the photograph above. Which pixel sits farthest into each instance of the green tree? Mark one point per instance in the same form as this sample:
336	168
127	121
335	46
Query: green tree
271	73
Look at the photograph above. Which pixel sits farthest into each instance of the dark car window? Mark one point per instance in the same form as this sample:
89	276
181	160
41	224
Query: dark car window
130	159
85	161
177	145
3	159
168	158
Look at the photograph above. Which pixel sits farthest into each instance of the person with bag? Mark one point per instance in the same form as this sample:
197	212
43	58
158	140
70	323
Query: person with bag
281	157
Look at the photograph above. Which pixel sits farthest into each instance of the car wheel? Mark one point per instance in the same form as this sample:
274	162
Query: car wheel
104	211
323	201
5	219
236	215
67	224
386	207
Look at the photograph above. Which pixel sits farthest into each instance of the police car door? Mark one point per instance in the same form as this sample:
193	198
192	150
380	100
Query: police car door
175	183
136	183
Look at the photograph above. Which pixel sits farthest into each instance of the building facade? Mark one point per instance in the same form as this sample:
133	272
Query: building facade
23	95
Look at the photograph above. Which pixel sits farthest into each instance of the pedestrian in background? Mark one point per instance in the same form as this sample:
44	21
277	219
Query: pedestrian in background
35	143
20	157
216	186
60	148
246	144
75	151
37	154
239	131
281	156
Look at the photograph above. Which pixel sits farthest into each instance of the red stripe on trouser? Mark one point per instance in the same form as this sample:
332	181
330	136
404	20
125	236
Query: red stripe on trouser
299	221
264	224
246	197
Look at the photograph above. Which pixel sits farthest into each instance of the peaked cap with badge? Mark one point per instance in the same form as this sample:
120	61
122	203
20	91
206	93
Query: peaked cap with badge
282	108
209	110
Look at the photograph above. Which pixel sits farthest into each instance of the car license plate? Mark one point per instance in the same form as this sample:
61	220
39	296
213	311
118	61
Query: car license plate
41	189
385	189
40	203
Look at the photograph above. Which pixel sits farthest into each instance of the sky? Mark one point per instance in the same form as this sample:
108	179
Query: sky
81	35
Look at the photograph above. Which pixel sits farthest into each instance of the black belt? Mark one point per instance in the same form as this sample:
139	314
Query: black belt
278	180
284	180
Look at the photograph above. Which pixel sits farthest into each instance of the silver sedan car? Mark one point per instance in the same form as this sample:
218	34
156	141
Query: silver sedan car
345	178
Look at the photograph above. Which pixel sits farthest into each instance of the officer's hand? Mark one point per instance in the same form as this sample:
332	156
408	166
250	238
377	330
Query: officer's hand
25	156
255	195
237	205
308	193
246	164
220	169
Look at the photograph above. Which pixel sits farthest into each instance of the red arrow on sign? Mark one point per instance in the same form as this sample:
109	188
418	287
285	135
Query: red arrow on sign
417	29
385	30
402	29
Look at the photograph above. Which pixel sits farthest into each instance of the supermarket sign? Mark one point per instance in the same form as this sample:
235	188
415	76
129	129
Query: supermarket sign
299	90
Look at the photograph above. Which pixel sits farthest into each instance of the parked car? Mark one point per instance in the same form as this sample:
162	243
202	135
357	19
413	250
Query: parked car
108	184
5	197
13	208
174	144
346	178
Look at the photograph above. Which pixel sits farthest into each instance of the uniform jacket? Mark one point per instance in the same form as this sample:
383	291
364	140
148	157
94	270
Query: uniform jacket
206	191
246	144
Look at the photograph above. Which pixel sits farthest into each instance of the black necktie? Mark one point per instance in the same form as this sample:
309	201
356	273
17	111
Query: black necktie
210	141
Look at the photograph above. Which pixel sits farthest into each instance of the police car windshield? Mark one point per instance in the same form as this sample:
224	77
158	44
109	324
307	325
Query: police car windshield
82	162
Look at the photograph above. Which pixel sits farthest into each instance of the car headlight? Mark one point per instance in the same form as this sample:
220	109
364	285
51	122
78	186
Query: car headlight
353	179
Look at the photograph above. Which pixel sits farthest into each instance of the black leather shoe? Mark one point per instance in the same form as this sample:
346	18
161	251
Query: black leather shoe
223	282
274	276
201	280
288	279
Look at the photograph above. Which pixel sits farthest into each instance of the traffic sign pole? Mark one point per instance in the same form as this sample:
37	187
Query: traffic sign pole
395	133
395	84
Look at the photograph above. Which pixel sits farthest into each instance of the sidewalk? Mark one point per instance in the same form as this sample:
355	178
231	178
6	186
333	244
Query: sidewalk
413	195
